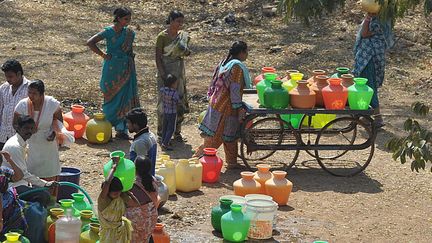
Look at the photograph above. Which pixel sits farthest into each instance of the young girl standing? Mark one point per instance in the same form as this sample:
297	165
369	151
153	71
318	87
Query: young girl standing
111	207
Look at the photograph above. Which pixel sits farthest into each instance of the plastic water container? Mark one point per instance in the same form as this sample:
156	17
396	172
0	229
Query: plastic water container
12	237
125	170
168	173
197	169
68	174
236	200
76	120
261	213
98	130
68	229
186	177
211	165
258	196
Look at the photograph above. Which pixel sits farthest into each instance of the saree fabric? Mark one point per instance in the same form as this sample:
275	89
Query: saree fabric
221	123
174	52
143	217
114	227
369	55
19	215
225	95
13	208
43	158
118	81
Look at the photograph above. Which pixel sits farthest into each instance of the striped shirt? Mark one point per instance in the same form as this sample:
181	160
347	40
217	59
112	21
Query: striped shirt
8	101
170	99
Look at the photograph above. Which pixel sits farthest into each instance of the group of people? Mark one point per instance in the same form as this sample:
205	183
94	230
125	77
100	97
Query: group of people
31	122
118	81
30	126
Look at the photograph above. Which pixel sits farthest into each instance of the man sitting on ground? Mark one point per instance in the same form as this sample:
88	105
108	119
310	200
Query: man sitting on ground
16	147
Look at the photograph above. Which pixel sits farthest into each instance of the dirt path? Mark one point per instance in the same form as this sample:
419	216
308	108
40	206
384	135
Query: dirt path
387	203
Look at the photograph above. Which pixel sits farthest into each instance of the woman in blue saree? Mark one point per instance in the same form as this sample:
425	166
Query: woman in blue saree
118	81
373	39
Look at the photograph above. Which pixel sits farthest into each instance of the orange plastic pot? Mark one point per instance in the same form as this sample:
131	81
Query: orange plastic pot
319	84
246	185
335	95
315	73
302	96
347	80
262	175
76	120
261	76
279	188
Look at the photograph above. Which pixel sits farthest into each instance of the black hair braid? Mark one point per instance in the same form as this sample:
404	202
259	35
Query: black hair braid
143	169
236	48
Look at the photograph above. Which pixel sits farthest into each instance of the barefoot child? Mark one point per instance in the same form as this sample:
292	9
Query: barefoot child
144	215
111	207
170	100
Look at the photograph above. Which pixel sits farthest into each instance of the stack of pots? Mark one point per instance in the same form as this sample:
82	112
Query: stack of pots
264	70
273	184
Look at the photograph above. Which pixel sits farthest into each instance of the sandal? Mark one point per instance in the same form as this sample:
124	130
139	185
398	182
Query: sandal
180	138
166	148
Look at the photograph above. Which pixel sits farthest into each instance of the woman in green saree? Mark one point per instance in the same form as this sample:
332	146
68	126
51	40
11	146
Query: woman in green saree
118	81
171	48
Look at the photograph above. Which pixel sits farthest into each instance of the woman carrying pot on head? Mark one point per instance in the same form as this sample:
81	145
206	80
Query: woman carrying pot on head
171	48
372	41
118	81
221	124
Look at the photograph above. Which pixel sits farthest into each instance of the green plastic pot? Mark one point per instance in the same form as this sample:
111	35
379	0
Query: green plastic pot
276	97
359	94
263	84
218	211
235	225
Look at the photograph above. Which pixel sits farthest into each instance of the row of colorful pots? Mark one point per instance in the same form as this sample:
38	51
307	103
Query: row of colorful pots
98	130
188	175
318	91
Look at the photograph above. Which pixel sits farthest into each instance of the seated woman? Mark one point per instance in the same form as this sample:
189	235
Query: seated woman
11	209
17	214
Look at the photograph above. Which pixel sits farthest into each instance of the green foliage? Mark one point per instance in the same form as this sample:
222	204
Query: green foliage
307	9
417	145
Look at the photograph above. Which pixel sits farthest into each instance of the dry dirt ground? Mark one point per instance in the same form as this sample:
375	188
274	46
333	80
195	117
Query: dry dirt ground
386	203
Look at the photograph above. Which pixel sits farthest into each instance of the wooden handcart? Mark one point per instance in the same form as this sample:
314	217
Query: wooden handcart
266	131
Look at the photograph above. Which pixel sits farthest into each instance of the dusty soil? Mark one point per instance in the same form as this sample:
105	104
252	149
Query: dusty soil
386	203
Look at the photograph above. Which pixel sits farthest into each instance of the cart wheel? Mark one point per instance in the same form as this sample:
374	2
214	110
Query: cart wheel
350	136
267	131
358	141
307	137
